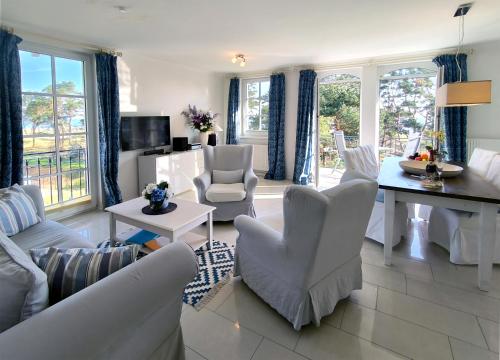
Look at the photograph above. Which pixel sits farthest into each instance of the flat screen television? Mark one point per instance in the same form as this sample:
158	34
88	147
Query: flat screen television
143	132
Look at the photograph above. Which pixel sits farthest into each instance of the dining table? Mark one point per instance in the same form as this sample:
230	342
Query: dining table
466	192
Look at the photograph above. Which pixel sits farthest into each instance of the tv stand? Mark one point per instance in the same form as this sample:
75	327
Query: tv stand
179	168
154	152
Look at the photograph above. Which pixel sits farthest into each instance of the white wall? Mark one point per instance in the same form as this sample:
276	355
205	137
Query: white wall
483	64
154	87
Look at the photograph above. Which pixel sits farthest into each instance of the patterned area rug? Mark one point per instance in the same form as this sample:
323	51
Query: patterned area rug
215	270
216	267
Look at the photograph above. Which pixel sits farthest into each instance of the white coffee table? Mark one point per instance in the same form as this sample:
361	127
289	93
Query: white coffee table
186	217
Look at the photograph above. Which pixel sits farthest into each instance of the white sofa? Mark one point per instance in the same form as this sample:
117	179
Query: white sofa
132	314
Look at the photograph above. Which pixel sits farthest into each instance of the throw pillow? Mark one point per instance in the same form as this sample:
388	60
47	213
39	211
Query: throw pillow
24	290
71	270
227	177
17	210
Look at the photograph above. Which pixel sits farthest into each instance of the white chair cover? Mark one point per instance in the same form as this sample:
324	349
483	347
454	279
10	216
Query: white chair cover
412	146
480	161
362	160
458	231
304	271
228	157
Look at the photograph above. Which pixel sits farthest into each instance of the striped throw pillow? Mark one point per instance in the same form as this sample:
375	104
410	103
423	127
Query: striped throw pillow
71	270
17	210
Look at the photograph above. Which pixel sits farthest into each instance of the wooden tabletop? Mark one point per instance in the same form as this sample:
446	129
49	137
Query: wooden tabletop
466	186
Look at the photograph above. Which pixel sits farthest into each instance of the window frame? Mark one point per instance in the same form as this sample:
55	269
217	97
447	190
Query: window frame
244	100
71	207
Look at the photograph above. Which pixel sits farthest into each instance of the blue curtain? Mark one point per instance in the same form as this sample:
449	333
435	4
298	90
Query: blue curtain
232	111
109	126
454	118
11	119
305	114
276	131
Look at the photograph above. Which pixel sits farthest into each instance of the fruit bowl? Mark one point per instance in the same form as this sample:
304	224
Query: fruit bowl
416	167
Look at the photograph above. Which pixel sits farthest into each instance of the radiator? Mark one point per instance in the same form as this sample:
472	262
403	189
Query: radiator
260	163
487	144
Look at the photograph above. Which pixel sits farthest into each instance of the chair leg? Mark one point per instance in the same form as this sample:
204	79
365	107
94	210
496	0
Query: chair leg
337	163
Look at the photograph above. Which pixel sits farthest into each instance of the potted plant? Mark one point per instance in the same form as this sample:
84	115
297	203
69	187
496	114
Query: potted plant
158	196
200	120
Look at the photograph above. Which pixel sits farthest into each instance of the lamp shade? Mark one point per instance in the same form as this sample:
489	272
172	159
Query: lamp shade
217	128
464	93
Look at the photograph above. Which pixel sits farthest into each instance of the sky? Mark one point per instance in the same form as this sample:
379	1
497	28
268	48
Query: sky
36	71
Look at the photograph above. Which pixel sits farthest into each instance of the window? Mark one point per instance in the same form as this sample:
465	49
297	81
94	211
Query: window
55	127
255	101
406	108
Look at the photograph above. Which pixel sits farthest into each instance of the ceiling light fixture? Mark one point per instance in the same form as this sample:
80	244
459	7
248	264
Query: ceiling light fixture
239	58
122	9
463	93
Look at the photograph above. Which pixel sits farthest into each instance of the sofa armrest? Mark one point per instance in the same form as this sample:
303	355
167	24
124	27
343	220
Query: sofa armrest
250	181
36	195
98	321
202	182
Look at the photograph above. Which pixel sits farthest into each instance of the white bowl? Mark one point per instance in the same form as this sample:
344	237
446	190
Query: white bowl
418	168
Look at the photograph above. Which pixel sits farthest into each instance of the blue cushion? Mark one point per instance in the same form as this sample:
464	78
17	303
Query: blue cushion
380	196
17	211
71	270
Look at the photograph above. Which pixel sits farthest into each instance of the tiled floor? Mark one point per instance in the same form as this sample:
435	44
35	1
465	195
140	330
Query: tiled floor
422	307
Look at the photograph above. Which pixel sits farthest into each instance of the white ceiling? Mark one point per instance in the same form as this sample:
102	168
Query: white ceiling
271	33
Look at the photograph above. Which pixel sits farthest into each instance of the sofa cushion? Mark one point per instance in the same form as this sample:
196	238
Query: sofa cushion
24	290
225	192
17	210
71	270
227	177
50	233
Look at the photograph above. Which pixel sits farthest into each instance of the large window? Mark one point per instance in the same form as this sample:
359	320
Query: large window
406	109
55	127
255	101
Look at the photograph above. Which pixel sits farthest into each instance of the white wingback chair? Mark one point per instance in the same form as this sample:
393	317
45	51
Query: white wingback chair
304	271
361	162
458	231
228	182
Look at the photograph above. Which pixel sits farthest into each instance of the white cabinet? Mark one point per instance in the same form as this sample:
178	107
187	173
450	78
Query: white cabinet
178	168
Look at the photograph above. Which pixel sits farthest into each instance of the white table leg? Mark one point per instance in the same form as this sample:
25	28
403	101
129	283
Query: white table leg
487	238
112	230
389	208
210	230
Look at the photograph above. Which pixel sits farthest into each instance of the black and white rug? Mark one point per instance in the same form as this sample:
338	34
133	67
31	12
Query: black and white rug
215	270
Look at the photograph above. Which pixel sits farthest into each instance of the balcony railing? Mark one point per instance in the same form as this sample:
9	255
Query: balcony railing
62	176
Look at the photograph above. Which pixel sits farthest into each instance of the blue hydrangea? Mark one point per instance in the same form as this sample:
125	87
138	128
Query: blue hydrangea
158	195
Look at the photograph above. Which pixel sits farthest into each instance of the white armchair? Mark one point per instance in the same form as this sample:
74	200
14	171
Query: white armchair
304	271
228	182
361	163
458	231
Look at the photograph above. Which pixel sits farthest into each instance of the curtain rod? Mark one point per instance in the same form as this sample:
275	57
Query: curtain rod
65	42
7	28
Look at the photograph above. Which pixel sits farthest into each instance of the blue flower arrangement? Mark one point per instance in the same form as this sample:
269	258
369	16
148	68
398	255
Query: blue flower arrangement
157	194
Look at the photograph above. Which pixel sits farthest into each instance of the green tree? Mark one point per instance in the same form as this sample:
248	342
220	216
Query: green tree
406	103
